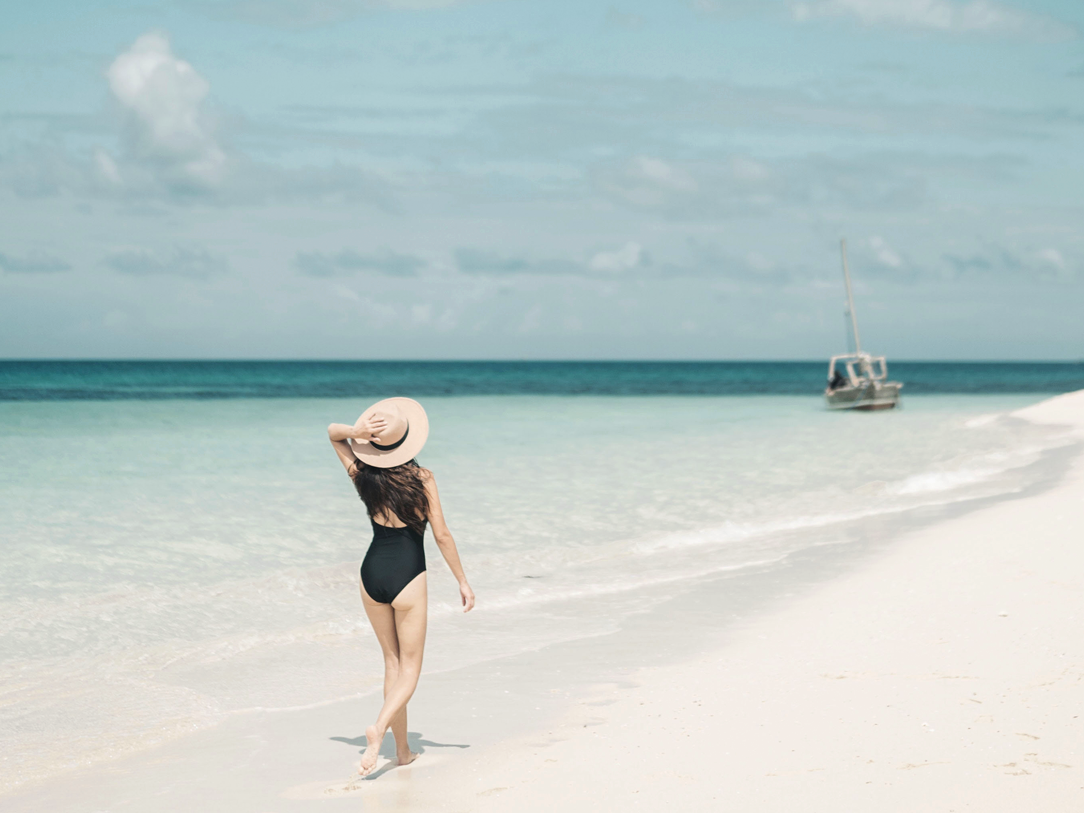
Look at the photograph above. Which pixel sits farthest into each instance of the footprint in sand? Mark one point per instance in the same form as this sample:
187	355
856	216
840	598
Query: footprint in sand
347	787
324	790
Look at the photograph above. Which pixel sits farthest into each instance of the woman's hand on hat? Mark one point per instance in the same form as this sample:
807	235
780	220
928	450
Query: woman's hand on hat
367	429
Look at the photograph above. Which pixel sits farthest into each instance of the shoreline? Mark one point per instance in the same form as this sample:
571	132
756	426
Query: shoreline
508	698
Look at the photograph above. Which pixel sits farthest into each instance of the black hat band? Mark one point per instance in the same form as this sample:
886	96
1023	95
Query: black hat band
391	446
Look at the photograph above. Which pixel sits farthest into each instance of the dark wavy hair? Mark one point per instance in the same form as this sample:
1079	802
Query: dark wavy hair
398	490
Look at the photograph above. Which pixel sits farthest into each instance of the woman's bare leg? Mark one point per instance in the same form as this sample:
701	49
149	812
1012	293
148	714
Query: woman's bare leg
403	754
391	673
408	612
382	619
405	620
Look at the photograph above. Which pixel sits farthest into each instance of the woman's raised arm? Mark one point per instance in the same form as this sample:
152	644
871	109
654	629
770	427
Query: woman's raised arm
338	433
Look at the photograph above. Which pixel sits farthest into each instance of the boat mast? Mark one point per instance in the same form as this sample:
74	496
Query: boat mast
850	297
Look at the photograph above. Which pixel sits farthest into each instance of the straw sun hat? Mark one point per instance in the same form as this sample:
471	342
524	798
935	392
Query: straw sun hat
408	429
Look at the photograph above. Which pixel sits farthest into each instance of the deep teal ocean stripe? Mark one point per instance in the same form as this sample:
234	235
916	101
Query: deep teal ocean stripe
198	380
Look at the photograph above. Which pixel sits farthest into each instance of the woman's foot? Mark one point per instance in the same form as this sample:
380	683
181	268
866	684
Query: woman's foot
406	759
372	751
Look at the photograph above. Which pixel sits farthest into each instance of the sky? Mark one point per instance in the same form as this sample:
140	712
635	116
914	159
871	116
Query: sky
563	180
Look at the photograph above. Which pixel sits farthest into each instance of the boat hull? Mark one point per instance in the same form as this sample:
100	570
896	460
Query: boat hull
867	398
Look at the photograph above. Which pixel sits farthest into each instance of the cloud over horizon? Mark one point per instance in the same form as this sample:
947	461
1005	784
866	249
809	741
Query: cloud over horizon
180	261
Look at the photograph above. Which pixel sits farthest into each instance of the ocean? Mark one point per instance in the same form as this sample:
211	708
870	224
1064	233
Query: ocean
180	543
213	380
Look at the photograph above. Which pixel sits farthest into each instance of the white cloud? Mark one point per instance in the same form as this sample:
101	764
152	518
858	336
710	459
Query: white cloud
731	7
623	19
197	263
981	16
758	262
1055	265
629	256
164	96
107	168
747	169
373	314
491	263
884	253
348	262
661	173
170	150
1013	262
345	293
34	263
290	13
646	181
1054	257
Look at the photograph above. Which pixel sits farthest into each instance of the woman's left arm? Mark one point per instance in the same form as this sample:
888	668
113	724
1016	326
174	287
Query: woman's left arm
445	541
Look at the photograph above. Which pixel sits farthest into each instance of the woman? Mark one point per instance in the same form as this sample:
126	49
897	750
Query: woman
401	497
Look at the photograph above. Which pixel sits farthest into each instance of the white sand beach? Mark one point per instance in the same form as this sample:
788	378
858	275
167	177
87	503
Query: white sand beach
939	669
945	675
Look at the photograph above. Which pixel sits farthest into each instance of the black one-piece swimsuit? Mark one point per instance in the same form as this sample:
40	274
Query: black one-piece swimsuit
394	558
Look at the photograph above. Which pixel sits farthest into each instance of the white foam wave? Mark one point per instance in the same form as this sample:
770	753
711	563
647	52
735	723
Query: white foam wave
532	596
931	482
737	532
980	421
934	487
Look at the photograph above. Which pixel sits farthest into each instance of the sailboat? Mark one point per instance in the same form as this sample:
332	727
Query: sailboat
858	380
